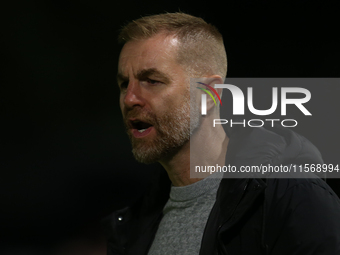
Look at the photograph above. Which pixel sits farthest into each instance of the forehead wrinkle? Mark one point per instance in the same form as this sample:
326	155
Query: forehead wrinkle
168	53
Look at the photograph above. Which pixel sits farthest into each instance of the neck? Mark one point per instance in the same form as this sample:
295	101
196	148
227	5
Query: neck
207	146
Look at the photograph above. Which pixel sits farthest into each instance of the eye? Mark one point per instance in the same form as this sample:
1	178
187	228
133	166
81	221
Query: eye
123	85
152	82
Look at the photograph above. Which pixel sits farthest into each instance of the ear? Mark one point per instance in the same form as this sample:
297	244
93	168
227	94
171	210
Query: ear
215	92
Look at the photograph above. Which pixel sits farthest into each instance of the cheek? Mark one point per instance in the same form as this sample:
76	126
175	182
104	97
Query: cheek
121	103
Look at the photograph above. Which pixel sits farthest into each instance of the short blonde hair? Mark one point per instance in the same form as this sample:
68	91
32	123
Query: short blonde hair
201	49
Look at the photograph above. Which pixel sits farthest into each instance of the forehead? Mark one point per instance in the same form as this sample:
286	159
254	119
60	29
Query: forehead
159	52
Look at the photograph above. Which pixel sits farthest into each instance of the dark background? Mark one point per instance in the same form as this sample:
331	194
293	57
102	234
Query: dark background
66	160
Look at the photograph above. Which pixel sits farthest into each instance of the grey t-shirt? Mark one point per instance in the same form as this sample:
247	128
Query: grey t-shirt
185	216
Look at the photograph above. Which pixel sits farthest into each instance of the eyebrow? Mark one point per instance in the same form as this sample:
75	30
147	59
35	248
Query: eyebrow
121	77
146	73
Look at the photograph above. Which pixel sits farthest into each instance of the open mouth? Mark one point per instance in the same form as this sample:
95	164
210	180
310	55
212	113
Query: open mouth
140	128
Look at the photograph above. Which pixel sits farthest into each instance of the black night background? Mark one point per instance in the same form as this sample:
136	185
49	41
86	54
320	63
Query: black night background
66	161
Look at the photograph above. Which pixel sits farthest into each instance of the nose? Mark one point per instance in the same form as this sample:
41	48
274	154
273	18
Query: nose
133	96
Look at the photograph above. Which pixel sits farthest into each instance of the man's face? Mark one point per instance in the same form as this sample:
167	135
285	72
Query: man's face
154	98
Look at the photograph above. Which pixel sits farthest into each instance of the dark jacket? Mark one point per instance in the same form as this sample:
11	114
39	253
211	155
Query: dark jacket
251	215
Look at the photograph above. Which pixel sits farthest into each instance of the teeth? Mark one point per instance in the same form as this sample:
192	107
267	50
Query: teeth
142	130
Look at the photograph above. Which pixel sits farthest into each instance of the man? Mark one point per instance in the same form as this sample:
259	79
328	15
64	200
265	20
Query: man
208	215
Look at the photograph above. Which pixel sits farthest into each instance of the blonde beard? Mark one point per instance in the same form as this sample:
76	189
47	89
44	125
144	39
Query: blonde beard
173	128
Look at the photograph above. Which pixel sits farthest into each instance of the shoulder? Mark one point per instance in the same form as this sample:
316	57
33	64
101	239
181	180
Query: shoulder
302	217
295	189
312	195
